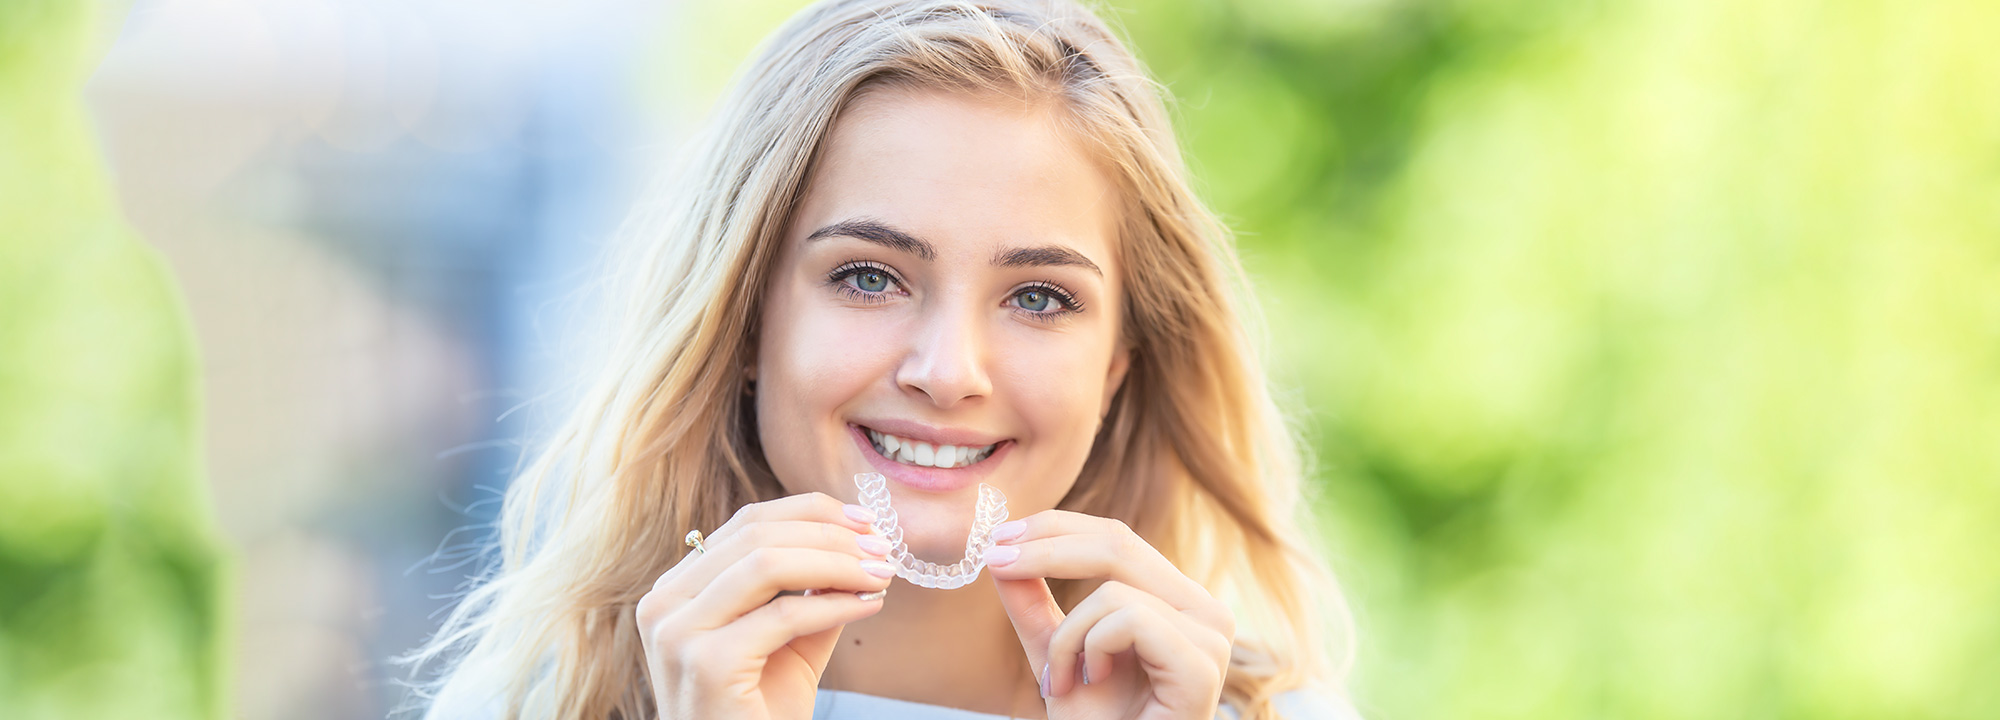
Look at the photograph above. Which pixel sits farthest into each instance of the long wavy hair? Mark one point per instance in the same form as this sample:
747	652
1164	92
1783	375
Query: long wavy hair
1194	454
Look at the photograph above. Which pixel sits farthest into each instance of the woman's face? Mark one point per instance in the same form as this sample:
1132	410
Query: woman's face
948	286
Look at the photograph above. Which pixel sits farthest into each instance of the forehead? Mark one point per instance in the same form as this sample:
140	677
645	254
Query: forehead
962	170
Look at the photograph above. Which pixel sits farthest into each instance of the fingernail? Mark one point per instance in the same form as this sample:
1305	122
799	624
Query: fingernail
1009	530
873	545
878	568
1045	681
872	596
858	514
999	555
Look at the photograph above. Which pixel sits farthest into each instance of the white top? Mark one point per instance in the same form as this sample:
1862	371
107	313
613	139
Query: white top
844	705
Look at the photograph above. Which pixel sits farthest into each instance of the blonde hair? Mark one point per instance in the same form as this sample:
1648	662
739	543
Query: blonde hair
1193	455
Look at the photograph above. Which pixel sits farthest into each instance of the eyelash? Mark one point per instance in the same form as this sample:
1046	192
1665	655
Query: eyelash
839	277
1065	298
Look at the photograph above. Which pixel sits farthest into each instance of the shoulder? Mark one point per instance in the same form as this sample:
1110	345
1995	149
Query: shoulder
840	705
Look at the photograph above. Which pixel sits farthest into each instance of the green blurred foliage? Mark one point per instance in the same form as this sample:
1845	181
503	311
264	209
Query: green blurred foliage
1650	350
111	594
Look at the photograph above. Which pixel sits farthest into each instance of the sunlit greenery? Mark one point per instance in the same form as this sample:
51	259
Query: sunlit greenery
1650	350
110	588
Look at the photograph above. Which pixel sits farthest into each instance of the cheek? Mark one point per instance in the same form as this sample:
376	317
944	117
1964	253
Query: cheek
814	362
1057	389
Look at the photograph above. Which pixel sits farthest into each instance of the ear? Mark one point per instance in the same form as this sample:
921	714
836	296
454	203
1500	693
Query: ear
1121	361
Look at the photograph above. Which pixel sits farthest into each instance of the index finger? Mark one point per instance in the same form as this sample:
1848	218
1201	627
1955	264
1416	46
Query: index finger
1075	546
814	506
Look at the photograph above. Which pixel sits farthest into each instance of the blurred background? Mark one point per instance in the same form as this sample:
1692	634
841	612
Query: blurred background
1649	349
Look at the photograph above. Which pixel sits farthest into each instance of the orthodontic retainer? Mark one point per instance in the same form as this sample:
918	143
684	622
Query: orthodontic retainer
991	511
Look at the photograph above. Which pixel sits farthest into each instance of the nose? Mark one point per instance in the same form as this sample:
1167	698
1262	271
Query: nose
947	359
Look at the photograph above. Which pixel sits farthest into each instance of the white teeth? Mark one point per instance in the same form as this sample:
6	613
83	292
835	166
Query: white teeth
911	452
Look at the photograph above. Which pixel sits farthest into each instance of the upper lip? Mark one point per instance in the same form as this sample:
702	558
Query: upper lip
931	434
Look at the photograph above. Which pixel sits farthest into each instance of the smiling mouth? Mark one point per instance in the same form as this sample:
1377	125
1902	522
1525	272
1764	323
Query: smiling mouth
923	454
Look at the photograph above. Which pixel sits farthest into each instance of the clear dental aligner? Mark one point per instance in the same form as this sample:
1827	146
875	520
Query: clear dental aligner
991	511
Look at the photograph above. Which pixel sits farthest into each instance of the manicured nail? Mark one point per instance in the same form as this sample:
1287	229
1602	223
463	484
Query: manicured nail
1045	681
872	596
858	514
1000	555
1009	530
878	568
873	545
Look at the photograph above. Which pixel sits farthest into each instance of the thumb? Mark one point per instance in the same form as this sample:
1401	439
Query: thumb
1035	615
817	648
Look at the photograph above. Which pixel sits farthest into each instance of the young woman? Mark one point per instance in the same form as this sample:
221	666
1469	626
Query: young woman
952	243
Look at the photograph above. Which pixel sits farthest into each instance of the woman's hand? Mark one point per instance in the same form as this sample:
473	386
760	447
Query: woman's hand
1153	643
720	639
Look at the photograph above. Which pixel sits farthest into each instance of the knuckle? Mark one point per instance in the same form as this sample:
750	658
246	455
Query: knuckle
1067	638
1127	544
1141	615
1118	591
1115	527
648	608
786	610
823	503
1226	620
756	535
1218	649
763	561
829	536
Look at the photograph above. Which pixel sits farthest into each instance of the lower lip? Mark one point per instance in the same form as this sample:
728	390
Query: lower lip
930	479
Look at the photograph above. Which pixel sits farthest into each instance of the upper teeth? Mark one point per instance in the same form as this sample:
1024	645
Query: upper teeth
911	452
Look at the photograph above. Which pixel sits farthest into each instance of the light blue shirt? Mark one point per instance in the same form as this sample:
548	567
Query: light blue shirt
844	705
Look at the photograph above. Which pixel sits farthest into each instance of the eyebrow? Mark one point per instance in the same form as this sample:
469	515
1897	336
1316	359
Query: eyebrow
877	232
1044	255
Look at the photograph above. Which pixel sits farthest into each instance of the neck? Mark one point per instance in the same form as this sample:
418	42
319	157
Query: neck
954	648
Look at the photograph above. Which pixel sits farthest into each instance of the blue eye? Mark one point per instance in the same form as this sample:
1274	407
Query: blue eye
864	281
1044	301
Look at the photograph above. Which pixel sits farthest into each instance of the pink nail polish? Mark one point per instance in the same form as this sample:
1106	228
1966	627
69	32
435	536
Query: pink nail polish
1045	681
874	545
858	514
1009	530
878	568
1001	555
